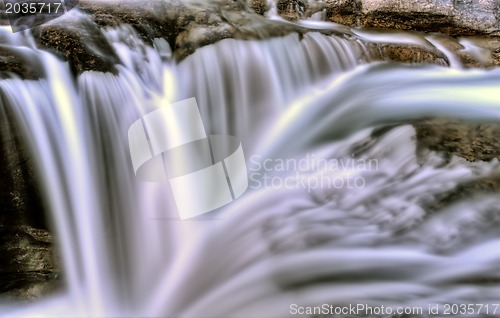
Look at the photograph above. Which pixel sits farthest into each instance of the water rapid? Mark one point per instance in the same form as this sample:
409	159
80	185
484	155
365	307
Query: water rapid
318	101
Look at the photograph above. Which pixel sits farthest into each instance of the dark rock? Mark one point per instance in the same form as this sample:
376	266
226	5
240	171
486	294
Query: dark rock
405	53
153	20
416	21
258	6
455	18
489	43
81	43
470	141
292	9
14	64
187	26
346	12
28	264
472	189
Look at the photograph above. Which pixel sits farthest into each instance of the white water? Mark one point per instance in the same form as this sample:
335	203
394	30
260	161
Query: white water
124	251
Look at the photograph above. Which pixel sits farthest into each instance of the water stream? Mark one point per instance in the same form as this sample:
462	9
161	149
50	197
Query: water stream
316	101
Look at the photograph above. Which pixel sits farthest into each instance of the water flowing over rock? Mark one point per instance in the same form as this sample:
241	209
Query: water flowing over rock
455	18
78	228
186	26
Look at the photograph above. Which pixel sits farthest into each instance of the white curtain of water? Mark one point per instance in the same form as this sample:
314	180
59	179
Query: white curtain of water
124	251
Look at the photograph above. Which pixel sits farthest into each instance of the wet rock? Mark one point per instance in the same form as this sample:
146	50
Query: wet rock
488	43
472	142
292	9
345	12
187	26
405	54
472	189
80	42
14	64
30	268
258	6
28	264
452	17
154	19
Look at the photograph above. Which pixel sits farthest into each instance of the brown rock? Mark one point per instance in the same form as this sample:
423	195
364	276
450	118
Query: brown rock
258	6
14	64
455	18
28	264
470	141
81	43
405	54
292	9
473	142
345	12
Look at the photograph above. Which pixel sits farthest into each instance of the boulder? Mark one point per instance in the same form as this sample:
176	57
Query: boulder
345	12
292	9
258	6
187	26
452	17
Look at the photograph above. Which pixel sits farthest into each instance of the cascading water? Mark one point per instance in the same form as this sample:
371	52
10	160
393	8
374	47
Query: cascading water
312	101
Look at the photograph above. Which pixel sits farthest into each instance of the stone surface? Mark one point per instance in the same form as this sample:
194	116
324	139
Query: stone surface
473	142
292	9
80	42
187	25
258	6
452	17
438	7
453	137
345	12
28	264
405	54
13	64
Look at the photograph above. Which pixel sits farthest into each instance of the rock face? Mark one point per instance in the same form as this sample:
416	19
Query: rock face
345	12
187	26
456	18
291	9
12	63
28	264
469	141
82	44
411	54
473	142
258	6
452	17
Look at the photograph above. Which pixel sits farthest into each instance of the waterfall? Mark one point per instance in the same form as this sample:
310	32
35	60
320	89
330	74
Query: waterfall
315	100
